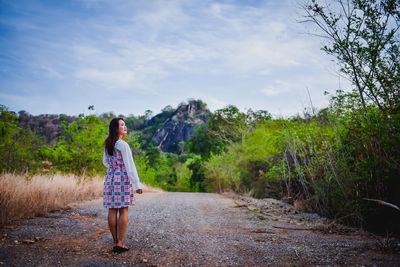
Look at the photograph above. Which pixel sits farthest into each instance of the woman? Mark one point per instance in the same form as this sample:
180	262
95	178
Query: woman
120	183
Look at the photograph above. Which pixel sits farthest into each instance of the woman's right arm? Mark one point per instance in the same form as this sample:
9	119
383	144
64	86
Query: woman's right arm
130	166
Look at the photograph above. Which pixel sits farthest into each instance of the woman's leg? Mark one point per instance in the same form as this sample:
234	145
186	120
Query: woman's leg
112	224
122	225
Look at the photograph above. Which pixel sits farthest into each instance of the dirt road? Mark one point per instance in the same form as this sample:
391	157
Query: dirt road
191	229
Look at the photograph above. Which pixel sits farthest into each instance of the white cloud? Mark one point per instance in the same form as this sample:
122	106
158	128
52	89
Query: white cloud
52	72
270	91
116	79
279	87
214	104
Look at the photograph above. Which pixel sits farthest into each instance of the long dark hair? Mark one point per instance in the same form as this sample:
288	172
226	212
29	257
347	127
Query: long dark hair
112	135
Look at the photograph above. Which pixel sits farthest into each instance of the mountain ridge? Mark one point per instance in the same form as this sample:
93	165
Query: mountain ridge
168	128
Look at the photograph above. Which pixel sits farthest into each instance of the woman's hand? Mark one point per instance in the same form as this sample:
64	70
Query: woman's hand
139	191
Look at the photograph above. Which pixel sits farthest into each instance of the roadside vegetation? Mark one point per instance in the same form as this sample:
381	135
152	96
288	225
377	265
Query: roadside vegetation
24	196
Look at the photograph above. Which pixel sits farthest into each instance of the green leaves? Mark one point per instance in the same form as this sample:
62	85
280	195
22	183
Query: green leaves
225	126
363	36
81	149
18	146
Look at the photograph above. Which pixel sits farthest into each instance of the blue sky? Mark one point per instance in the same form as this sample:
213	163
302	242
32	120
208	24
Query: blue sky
130	56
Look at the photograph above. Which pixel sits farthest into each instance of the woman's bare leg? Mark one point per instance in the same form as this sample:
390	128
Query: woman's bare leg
122	225
112	224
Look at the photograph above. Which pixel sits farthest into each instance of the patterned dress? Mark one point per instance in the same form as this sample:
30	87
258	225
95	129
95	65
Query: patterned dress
118	190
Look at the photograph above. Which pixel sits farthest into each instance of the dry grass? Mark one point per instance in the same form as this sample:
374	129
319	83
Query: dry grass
25	198
22	198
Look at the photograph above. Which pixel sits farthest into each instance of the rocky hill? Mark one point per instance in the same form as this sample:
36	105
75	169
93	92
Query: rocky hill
167	128
181	125
47	126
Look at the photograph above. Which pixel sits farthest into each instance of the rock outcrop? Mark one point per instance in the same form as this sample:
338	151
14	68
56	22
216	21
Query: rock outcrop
46	125
181	125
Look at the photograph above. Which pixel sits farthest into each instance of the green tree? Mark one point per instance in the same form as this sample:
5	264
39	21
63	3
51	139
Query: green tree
18	145
153	154
198	171
81	149
363	36
148	113
224	126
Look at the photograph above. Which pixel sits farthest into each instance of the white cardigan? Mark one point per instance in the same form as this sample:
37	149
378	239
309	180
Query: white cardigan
126	152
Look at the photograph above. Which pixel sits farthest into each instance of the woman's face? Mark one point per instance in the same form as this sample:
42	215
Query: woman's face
122	131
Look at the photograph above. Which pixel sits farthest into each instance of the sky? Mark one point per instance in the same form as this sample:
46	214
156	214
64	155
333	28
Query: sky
127	57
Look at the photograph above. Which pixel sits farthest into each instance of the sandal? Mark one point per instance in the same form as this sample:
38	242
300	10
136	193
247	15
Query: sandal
119	249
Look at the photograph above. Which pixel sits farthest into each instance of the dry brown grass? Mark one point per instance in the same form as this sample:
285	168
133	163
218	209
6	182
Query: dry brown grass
22	197
25	198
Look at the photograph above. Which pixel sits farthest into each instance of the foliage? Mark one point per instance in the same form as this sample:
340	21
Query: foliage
183	176
197	177
146	173
17	145
225	126
363	36
79	151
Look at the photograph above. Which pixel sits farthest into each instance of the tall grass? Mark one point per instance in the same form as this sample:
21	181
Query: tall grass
25	197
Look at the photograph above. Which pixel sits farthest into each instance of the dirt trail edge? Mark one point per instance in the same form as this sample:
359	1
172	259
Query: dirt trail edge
192	229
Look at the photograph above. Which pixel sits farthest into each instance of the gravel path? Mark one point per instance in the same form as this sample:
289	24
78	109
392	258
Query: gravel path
191	229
